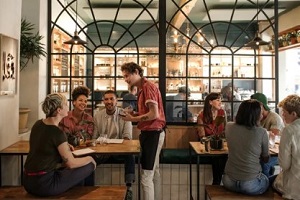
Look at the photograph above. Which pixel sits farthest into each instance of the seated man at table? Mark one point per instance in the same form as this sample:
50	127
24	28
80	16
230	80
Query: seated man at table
108	122
274	125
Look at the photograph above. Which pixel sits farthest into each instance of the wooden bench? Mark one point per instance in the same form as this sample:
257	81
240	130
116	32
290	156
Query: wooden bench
86	192
217	192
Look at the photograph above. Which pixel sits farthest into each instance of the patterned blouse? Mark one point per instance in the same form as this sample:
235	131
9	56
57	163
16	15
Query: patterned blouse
70	125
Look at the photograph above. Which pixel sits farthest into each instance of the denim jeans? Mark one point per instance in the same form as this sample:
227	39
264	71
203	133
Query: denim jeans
150	179
268	167
129	165
252	187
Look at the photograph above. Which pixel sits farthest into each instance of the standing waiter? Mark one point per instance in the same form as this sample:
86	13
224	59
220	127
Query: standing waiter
151	121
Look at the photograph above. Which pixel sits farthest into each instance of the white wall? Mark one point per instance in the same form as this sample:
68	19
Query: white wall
33	81
289	20
10	23
285	23
32	85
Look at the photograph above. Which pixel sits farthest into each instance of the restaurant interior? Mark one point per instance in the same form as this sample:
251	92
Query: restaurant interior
201	45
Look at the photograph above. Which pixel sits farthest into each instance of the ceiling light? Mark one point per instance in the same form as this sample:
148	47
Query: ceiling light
256	41
75	40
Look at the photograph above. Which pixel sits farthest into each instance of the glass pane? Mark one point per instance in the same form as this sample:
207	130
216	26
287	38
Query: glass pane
265	68
172	84
176	66
267	87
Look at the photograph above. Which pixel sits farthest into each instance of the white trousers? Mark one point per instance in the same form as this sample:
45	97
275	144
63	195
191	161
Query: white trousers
150	179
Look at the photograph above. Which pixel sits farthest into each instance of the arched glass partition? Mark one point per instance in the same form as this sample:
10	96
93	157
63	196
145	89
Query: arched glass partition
188	48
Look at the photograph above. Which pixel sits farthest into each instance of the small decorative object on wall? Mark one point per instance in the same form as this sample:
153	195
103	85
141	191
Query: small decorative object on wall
8	65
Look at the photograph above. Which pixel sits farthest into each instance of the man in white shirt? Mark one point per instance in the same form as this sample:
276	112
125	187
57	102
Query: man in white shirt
274	125
108	122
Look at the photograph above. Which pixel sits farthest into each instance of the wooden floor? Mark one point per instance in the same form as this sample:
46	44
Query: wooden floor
87	192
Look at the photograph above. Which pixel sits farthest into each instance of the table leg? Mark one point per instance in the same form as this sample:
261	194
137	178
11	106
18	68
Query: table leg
0	172
139	177
21	169
198	185
191	190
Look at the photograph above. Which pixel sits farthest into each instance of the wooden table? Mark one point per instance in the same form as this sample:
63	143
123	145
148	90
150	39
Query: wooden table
199	149
21	148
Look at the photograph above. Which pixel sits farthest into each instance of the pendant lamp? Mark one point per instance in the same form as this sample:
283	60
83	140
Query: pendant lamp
256	41
75	40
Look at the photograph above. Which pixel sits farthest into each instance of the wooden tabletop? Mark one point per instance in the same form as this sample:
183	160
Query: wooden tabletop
128	146
20	147
199	148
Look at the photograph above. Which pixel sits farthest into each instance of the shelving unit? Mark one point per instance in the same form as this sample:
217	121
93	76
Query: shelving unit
107	70
206	73
66	66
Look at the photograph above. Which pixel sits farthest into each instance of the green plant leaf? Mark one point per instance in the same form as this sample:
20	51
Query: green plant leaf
31	46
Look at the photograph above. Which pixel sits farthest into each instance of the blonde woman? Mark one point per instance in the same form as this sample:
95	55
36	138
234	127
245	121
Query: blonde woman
287	182
50	168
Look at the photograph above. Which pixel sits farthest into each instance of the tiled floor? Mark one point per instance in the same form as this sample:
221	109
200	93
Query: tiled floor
175	179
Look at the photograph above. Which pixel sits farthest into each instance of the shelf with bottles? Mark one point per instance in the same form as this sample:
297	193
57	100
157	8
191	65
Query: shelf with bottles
58	39
62	85
104	83
61	57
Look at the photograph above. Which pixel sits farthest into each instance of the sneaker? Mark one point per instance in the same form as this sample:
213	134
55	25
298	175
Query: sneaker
128	195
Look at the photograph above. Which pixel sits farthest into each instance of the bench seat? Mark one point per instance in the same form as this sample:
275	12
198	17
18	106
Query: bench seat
217	192
84	192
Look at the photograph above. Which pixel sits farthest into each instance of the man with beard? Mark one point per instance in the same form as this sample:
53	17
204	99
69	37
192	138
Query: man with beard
109	122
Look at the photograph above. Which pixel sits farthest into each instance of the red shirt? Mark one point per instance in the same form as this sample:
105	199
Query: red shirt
71	125
212	126
150	93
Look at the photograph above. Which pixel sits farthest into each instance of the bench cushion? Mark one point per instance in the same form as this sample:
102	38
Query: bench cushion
87	192
181	156
217	192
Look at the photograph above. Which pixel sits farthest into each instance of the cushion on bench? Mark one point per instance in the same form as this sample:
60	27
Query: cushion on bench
181	156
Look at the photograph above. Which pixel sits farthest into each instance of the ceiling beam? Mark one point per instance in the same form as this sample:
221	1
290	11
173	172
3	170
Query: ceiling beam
180	17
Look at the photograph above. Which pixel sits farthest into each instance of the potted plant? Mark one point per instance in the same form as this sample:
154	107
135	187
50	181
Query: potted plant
216	138
298	36
285	40
292	37
30	47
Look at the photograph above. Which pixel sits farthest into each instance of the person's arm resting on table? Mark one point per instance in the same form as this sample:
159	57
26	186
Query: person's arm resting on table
69	160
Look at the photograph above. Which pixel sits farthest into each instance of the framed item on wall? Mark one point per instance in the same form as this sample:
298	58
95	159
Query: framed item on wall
9	65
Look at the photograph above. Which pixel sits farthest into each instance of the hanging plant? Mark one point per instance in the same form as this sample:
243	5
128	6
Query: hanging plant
31	45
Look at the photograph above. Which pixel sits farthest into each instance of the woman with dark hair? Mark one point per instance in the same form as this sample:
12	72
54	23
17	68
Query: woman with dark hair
212	109
50	168
79	125
248	144
78	122
208	126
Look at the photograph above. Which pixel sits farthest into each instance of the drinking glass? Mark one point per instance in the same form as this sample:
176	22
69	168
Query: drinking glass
271	139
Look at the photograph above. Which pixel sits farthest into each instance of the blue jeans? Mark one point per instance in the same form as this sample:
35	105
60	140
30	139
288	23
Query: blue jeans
129	165
268	168
252	187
